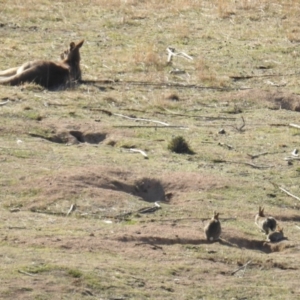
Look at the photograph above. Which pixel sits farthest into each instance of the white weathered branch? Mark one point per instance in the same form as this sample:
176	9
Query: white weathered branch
72	208
139	151
290	194
140	119
242	267
171	53
5	102
294	125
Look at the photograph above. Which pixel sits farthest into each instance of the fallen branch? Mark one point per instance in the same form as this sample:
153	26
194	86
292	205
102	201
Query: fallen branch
17	227
171	53
253	156
240	162
72	208
147	126
147	210
151	244
140	119
4	103
139	151
163	85
242	126
26	273
294	125
289	158
264	75
290	194
242	267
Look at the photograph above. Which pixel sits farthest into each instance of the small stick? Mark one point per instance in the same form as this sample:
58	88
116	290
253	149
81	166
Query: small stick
243	163
26	273
242	267
171	53
72	208
257	155
147	126
4	103
139	151
140	119
153	245
242	126
17	227
294	125
290	194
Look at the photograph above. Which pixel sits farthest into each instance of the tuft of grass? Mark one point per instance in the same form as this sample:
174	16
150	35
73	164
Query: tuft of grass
179	145
75	273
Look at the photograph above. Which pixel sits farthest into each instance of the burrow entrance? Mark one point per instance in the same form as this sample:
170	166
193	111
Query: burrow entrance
73	137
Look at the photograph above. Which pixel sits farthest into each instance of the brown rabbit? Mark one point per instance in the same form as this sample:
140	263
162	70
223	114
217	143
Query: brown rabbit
276	236
212	229
265	223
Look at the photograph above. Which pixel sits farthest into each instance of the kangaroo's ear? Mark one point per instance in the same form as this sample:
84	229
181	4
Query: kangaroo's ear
72	46
80	44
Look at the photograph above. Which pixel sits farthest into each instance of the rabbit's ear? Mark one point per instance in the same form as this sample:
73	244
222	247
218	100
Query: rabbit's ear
216	215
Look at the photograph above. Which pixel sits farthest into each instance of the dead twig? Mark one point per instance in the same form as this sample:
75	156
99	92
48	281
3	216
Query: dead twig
139	151
147	126
26	273
151	244
141	119
243	163
17	227
242	267
240	129
264	75
253	156
171	53
72	208
288	193
4	103
295	126
289	158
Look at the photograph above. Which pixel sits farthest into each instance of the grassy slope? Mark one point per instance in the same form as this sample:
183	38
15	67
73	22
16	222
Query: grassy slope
164	255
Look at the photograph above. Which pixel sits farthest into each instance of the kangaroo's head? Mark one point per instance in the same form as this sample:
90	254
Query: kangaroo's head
71	57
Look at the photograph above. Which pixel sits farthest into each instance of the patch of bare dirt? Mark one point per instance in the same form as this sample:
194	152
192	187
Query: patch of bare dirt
105	186
239	240
71	134
275	100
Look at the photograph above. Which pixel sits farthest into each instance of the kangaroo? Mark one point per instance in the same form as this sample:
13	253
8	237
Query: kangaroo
48	74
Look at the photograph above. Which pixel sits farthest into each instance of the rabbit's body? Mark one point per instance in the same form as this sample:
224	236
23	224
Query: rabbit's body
265	224
212	229
276	236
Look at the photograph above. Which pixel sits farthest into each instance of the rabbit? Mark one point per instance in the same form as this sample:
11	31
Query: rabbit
265	223
212	229
276	236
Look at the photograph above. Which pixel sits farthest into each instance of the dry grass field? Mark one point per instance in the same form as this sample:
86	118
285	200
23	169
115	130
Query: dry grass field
77	206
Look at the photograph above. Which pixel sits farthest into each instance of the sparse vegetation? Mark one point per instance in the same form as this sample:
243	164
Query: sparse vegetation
179	145
70	207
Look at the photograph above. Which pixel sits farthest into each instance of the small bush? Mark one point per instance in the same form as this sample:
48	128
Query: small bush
179	145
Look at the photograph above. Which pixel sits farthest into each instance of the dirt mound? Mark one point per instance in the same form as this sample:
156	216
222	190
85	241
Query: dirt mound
276	100
105	187
72	137
237	239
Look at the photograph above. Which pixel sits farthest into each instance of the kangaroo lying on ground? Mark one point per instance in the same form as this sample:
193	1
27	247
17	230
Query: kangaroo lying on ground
48	74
